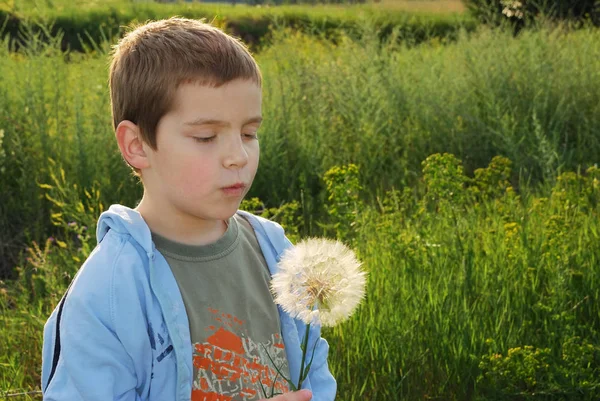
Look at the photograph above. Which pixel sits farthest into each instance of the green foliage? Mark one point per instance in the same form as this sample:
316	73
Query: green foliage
473	305
458	248
43	274
289	215
343	204
48	269
520	371
55	118
389	107
493	181
528	372
85	26
443	284
447	187
444	181
383	106
521	12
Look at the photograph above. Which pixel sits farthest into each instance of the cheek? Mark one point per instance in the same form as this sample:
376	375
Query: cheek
197	174
191	185
254	155
191	172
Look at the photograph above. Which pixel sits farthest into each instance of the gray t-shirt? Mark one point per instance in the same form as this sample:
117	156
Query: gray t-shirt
234	323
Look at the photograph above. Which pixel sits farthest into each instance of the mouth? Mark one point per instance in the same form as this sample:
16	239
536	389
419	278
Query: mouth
235	189
239	185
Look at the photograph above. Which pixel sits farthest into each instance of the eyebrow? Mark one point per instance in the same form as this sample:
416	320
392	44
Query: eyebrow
207	121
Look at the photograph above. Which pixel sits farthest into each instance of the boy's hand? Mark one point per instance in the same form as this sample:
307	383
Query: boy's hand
302	395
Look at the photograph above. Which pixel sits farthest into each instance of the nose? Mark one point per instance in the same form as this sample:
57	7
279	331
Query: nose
236	155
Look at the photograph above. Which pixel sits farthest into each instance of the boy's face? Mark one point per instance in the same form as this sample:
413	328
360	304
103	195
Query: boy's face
207	151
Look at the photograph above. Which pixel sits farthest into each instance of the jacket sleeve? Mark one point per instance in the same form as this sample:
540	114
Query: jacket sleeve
322	382
95	364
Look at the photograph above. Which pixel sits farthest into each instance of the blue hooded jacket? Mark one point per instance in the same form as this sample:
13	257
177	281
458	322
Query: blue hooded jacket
123	331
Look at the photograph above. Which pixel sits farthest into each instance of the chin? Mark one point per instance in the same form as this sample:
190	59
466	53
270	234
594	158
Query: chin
227	212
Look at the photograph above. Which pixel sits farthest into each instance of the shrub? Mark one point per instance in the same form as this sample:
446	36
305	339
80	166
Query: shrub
531	373
521	12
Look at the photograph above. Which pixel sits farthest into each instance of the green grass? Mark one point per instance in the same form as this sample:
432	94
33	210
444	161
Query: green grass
475	294
83	24
534	99
437	6
460	289
465	274
429	6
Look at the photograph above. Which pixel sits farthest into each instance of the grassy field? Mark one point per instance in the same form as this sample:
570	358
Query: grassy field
429	6
384	108
437	6
84	24
475	292
484	272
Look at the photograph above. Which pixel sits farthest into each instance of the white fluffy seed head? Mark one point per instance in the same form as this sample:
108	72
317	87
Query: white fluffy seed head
319	281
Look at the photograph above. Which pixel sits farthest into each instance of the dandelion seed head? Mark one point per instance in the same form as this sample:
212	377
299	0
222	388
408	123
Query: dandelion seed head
319	281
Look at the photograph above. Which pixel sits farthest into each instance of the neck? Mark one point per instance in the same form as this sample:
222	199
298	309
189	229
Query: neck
179	226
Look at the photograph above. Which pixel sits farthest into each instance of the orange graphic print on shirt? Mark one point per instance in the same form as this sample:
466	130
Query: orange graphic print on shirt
229	366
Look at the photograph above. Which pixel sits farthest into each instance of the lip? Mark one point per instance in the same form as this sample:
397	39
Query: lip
236	186
236	189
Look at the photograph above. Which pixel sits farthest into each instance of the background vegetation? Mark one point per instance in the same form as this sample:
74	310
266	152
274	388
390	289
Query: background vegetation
83	24
462	170
524	12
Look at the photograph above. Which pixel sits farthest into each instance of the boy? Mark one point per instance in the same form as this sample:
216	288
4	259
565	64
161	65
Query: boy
174	303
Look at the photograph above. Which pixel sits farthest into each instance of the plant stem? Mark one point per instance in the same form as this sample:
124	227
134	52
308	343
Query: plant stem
304	348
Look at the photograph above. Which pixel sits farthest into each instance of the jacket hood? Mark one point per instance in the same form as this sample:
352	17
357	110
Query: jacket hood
124	220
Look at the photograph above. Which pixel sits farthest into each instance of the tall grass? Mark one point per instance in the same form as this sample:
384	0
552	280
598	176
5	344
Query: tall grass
86	22
478	293
420	6
478	289
484	300
53	106
534	99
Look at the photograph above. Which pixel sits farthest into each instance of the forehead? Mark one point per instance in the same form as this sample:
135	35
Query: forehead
236	99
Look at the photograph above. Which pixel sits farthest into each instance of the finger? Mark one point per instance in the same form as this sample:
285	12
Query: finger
302	395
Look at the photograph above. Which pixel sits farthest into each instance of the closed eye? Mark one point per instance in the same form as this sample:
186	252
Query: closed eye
204	139
250	136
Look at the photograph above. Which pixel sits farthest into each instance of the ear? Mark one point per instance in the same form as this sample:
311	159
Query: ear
131	144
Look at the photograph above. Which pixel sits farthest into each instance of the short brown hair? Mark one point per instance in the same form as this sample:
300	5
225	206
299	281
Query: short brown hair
150	63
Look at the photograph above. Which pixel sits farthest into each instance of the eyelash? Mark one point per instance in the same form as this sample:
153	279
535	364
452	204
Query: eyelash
210	139
204	140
